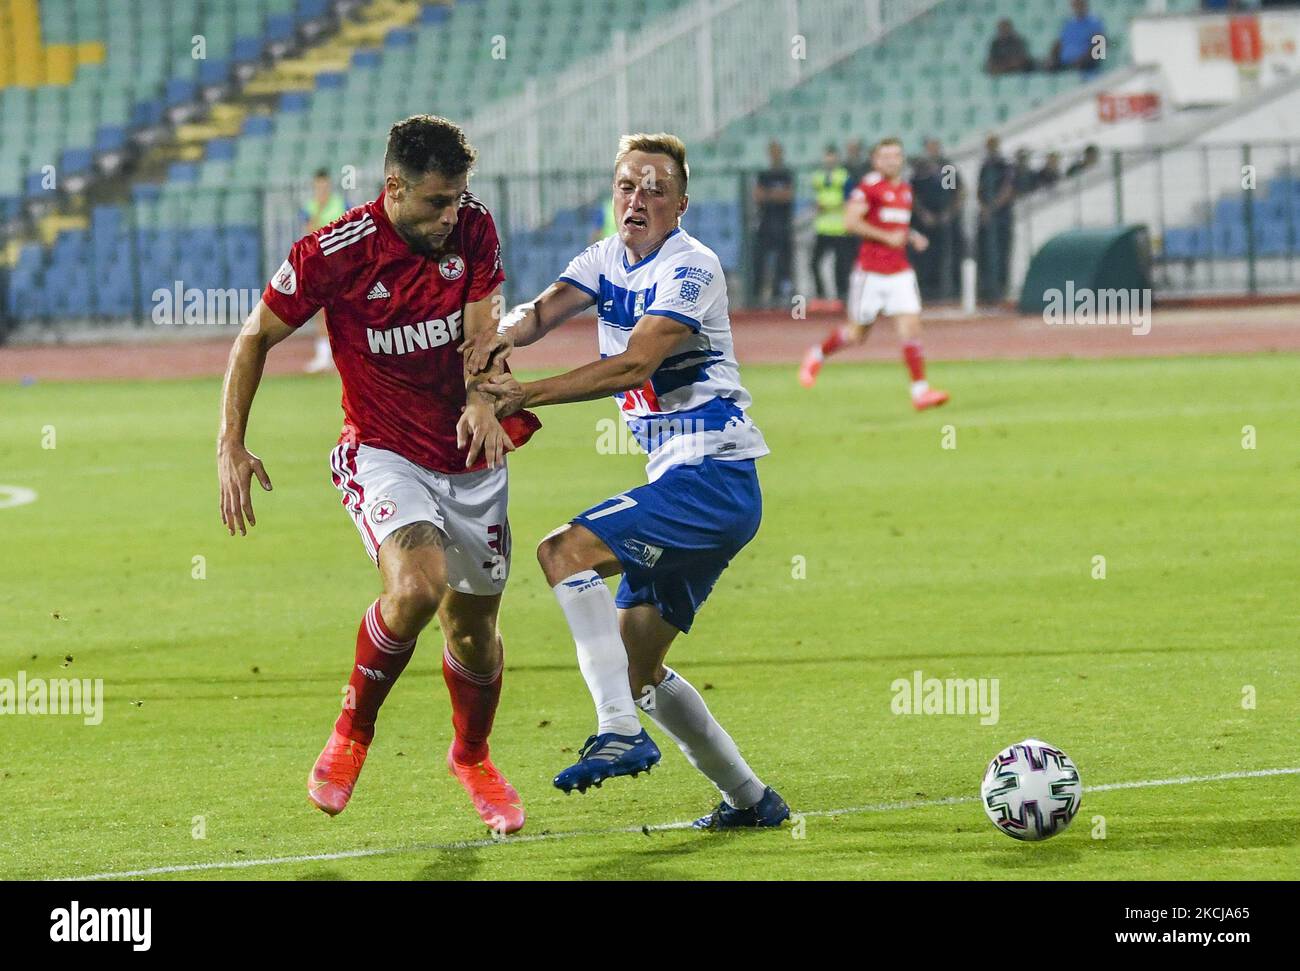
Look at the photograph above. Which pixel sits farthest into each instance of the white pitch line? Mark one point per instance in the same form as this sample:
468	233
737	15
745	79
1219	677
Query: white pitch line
11	496
581	834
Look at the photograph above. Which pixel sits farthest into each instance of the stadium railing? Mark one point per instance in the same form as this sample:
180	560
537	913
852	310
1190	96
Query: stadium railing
1223	219
716	61
168	260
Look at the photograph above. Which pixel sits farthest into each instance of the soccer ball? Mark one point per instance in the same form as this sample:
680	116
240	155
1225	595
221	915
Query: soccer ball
1031	790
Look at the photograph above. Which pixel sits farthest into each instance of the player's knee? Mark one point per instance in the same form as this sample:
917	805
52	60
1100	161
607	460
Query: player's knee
415	598
472	640
559	556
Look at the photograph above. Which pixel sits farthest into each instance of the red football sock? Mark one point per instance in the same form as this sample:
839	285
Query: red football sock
836	340
914	357
474	700
380	659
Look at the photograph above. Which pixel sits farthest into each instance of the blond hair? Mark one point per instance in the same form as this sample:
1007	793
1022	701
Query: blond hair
661	143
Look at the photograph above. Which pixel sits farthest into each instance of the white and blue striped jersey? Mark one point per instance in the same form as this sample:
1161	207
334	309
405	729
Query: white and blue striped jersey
694	405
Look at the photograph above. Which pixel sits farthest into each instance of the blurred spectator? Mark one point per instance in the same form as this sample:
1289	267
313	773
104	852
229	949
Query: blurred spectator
1023	177
995	195
324	206
1091	156
603	223
1050	173
774	196
830	184
1007	52
937	197
856	161
1073	50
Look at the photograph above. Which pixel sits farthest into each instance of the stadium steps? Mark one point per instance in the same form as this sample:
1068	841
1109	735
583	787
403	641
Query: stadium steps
376	20
225	121
85	236
51	226
27	60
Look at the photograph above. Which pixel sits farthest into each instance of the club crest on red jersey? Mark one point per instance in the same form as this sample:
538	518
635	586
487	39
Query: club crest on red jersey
451	266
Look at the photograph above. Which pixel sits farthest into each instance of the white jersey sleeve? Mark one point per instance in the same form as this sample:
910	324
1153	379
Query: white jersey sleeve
689	289
584	270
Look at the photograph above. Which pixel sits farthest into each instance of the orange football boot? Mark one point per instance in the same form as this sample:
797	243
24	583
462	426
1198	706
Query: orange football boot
932	398
335	773
812	363
496	800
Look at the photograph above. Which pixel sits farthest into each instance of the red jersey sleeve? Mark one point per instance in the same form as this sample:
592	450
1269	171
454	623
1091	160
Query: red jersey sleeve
482	256
299	287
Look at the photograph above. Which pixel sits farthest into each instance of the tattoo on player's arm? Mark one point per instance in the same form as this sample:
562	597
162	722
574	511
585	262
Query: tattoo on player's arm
415	535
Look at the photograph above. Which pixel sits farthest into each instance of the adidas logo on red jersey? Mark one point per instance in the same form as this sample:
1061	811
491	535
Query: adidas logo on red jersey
378	292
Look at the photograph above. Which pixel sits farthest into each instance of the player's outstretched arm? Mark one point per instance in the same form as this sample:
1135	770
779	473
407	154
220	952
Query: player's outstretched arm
652	339
236	465
523	325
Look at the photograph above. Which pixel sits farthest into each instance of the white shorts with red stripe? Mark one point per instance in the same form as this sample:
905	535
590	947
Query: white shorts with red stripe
872	294
384	491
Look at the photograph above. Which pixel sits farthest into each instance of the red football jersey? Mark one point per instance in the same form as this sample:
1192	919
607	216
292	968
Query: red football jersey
395	319
889	206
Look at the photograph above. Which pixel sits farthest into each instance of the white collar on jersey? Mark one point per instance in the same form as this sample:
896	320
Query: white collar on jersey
649	256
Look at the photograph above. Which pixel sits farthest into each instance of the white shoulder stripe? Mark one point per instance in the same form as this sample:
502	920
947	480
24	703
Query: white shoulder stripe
335	245
345	232
468	199
344	228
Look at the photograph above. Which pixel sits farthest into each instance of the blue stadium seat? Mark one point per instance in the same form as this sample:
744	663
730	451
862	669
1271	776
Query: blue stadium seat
215	71
182	172
180	91
1229	239
246	49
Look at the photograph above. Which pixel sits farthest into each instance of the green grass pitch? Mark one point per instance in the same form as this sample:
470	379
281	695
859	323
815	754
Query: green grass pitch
881	553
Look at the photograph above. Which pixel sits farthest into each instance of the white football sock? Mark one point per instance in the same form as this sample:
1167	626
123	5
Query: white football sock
589	608
919	388
678	709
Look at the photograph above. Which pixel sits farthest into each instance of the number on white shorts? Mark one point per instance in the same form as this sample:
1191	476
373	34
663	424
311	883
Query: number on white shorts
623	502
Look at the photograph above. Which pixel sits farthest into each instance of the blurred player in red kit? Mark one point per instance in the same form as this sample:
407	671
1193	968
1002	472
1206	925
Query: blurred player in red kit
420	464
883	282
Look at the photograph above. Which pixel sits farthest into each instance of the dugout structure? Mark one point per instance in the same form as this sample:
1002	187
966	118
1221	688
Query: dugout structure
1111	258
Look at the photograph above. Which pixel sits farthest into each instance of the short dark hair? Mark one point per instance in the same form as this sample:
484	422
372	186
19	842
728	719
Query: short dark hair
427	143
321	174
